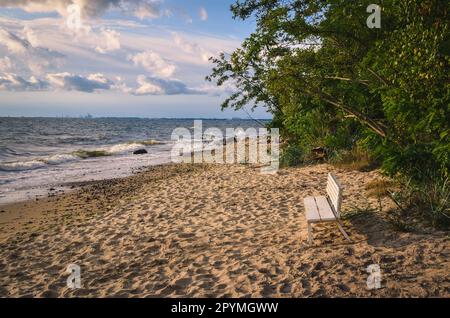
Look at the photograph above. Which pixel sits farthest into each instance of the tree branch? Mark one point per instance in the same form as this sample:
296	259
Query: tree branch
364	82
373	125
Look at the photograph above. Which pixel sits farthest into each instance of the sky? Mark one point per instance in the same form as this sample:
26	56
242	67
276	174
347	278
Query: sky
118	58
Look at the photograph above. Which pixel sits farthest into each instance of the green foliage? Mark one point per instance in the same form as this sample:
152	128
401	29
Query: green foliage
430	200
332	82
292	156
353	159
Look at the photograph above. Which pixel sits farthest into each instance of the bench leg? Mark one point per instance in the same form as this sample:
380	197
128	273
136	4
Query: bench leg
342	231
309	233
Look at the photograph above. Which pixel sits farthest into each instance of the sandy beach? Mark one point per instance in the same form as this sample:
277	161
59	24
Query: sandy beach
213	231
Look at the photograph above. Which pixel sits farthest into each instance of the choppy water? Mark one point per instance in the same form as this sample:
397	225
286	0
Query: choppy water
38	153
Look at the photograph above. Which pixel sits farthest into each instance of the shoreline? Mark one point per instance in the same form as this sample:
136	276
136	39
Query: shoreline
29	185
93	194
180	230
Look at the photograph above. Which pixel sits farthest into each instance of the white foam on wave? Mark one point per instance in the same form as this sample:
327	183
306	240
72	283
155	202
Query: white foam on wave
33	164
123	148
22	165
25	185
59	159
36	163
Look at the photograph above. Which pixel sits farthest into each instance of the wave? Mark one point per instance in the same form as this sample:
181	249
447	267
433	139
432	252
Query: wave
59	159
82	154
118	149
37	163
151	142
121	148
85	154
22	165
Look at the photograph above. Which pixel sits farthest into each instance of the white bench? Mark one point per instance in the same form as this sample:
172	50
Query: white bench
325	209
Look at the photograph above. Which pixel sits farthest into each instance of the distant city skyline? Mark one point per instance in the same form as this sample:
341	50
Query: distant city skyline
146	58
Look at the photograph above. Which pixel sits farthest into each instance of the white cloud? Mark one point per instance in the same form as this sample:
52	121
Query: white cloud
203	14
150	10
214	90
121	86
153	63
40	46
35	59
110	41
159	86
13	43
146	85
89	8
62	81
41	60
30	36
191	47
73	82
6	65
14	82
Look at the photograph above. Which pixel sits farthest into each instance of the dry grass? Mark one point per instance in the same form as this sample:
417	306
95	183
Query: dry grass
356	165
380	188
353	160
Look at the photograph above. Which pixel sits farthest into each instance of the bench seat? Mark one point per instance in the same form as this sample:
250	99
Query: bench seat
325	208
318	210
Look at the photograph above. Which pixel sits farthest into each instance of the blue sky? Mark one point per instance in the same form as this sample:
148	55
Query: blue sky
140	58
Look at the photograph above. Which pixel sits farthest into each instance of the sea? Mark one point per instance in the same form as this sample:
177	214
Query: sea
42	154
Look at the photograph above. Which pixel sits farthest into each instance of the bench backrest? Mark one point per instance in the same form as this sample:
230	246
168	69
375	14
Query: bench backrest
334	192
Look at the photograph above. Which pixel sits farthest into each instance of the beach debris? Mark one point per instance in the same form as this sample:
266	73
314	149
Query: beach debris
374	279
320	153
140	152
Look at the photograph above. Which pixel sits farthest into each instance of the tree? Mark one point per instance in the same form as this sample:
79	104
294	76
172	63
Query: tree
387	88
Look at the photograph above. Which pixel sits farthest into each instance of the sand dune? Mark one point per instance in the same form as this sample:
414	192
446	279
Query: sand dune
212	231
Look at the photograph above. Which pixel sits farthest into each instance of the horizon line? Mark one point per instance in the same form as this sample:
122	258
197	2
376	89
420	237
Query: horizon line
134	117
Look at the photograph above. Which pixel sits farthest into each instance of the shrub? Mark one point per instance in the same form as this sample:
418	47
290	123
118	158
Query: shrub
291	156
429	200
353	159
